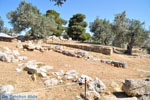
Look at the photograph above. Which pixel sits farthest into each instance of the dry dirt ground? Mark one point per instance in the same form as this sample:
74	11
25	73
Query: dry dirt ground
107	73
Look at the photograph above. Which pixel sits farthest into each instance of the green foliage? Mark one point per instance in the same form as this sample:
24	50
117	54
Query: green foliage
136	34
85	36
59	21
120	29
43	27
58	2
76	26
27	16
102	30
1	24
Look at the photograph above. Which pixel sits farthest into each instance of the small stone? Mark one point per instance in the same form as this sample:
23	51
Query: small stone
18	69
47	67
51	82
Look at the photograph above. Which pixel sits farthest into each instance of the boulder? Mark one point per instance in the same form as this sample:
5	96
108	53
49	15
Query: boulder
29	46
6	58
69	53
6	49
60	72
97	85
15	52
81	79
137	87
91	95
33	62
42	74
120	64
32	69
82	54
22	58
51	82
47	67
71	74
58	47
18	69
3	56
19	46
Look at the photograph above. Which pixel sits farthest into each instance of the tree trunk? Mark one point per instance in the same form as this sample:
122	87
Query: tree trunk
105	42
129	49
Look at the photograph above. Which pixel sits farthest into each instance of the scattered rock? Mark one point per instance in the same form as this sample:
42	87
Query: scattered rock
60	72
20	64
3	56
22	58
51	82
90	95
58	47
42	74
82	54
81	79
71	74
15	52
97	85
32	69
19	46
18	69
47	67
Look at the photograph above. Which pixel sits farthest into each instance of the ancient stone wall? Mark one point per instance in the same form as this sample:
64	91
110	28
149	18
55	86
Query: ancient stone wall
99	49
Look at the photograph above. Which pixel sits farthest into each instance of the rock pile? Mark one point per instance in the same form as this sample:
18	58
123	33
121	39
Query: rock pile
95	86
11	56
33	67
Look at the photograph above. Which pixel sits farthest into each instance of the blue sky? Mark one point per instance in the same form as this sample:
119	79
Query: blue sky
135	9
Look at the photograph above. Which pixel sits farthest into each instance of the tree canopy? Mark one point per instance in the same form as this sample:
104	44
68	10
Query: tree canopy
102	30
27	16
1	24
59	21
136	35
77	26
59	2
120	26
